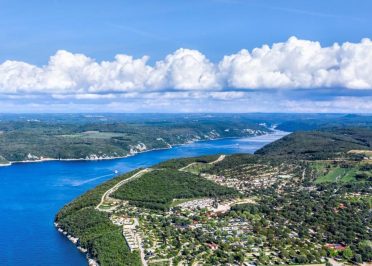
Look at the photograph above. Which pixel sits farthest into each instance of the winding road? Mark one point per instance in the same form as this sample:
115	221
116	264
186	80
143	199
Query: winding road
105	197
114	188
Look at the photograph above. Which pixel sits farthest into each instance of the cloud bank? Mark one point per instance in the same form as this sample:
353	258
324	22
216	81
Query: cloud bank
292	76
294	64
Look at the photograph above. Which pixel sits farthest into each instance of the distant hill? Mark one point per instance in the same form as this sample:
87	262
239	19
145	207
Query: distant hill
37	137
325	121
33	137
319	144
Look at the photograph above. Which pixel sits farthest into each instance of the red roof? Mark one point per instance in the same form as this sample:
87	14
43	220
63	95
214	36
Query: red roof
212	246
341	206
338	247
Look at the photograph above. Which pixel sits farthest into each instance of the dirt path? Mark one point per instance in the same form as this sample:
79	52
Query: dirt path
219	159
114	188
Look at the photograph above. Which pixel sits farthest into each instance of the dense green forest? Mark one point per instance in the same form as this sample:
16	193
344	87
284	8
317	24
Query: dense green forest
92	136
162	186
326	144
325	121
182	162
79	137
319	215
96	233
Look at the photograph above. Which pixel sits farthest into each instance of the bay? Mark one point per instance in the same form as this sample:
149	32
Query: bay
32	193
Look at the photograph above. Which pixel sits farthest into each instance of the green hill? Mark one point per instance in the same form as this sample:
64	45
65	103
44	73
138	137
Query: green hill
319	144
158	188
77	137
288	202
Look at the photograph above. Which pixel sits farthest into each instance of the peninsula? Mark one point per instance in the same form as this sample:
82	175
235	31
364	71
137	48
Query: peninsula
303	199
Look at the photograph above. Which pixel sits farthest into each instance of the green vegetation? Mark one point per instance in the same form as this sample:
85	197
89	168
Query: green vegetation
197	167
320	216
32	137
341	171
319	145
158	188
324	121
96	233
304	199
92	197
66	136
182	162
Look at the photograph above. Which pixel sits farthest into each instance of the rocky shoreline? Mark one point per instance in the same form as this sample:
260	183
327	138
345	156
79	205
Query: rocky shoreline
91	158
94	157
91	261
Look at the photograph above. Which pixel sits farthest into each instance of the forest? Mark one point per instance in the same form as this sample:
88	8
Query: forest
162	186
34	137
93	136
320	198
318	145
95	231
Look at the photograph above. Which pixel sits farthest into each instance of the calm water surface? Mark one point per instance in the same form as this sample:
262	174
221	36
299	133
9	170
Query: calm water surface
32	193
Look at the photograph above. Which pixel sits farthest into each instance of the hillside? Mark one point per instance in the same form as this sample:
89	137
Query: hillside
326	121
159	188
32	137
278	206
155	190
38	137
325	144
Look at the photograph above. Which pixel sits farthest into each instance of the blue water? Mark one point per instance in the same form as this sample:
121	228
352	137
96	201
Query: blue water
32	193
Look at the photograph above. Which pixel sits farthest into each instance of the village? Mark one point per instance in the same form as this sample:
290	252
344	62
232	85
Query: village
199	231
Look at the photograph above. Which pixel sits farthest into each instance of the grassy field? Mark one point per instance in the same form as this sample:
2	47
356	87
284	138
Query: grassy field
329	173
197	168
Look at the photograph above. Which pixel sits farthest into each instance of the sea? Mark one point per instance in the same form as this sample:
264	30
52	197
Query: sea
32	193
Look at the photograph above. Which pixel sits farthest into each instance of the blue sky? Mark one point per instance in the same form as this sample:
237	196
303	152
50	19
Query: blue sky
32	32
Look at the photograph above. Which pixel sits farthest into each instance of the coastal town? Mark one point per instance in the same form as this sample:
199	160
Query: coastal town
235	210
207	230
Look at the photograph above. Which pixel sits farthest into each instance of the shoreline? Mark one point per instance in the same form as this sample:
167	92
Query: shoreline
91	261
133	154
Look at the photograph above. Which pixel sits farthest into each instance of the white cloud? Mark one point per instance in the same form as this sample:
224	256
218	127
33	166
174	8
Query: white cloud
291	64
300	64
185	69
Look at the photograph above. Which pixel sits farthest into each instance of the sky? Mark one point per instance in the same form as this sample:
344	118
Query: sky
186	56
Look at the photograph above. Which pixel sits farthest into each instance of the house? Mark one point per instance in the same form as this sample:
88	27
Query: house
341	206
337	247
212	246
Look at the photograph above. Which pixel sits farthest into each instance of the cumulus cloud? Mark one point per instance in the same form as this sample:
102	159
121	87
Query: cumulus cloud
68	73
185	69
292	64
300	64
